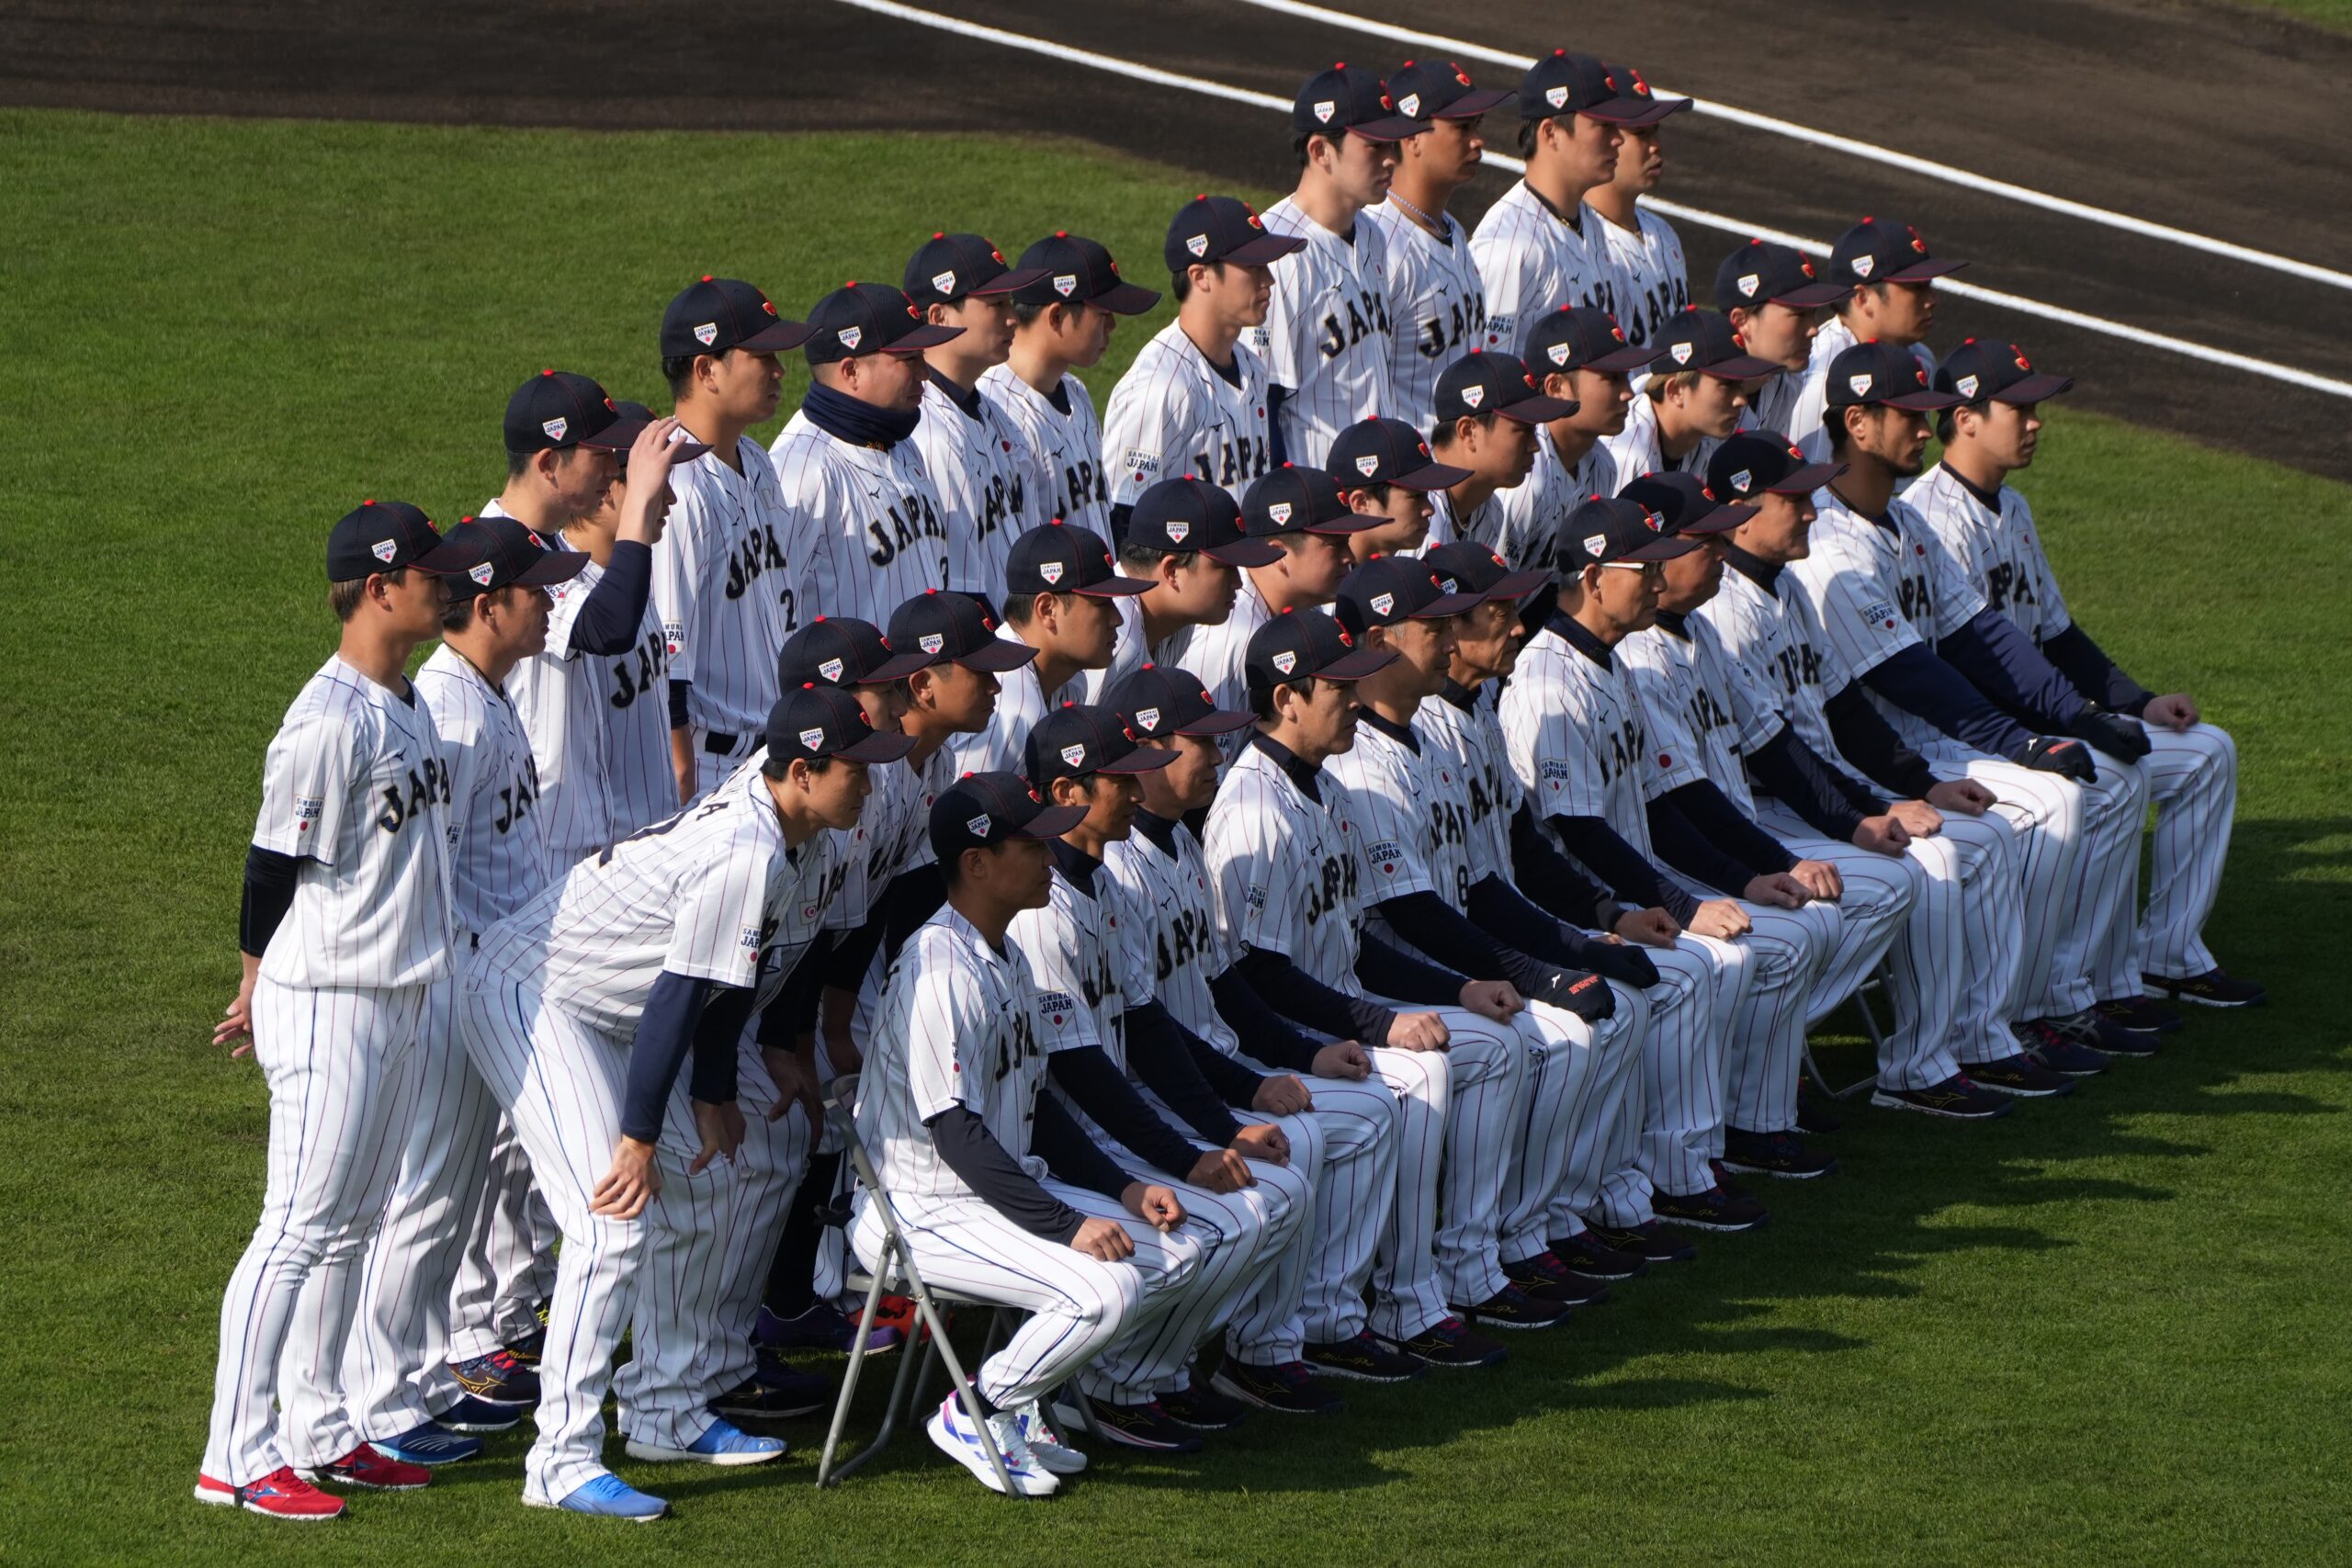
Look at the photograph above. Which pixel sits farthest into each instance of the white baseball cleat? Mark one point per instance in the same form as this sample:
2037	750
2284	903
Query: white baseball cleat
952	1433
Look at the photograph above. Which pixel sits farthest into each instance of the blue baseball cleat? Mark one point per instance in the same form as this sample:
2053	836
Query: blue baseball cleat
724	1443
430	1443
607	1496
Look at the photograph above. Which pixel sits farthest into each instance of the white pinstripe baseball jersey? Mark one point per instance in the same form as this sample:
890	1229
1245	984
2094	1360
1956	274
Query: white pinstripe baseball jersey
710	894
723	589
1573	732
599	725
1999	551
1771	643
1284	874
1471	742
1701	721
1636	450
1021	702
868	534
1438	306
1771	405
1327	332
1071	945
1064	444
1168	928
1406	803
1534	261
1217	653
1875	591
984	751
1484	523
1649	264
1174	413
897	818
956	1025
1809	404
496	858
355	786
1527	514
985	480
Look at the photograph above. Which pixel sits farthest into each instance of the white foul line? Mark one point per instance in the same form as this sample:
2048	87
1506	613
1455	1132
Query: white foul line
1928	166
1716	221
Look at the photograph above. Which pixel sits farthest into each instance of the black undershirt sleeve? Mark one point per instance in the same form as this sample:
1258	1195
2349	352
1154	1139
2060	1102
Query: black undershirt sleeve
1498	905
1298	996
971	1151
615	608
1456	940
2096	675
1401	975
2002	662
1093	1081
1551	880
1160	1051
1917	682
678	690
1070	1153
1262	1033
1867	741
1705	805
1796	774
270	880
1629	875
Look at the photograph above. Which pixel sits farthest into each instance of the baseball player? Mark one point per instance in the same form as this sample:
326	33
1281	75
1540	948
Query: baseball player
1947	672
2192	768
950	1106
1325	340
1389	477
344	927
1488	409
1289	901
1773	299
867	528
1539	247
1171	937
579	1011
1183	536
1643	247
1696	395
1063	320
1436	304
394	1373
1194	400
1889	279
1836	767
721	581
1581	357
976	457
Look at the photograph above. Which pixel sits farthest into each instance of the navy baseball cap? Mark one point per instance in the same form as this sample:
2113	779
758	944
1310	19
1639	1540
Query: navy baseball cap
1563	83
1432	89
1981	368
1222	229
1705	341
502	553
841	650
1292	500
1580	337
956	266
1495	383
389	535
1764	462
869	318
1188	513
634	418
1389	589
1073	270
1687	504
1629	83
1761	273
814	722
980	810
1379	451
556	408
1079	739
1062	558
1884	373
1294	646
1348	97
951	627
1607	528
1157	702
720	313
1464	566
1878	252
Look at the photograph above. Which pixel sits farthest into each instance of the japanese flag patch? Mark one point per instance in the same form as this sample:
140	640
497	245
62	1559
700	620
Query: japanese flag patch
1285	662
1197	243
944	281
1748	283
1323	109
812	739
555	428
384	550
706	333
1864	266
851	337
830	670
1861	384
1966	387
1878	613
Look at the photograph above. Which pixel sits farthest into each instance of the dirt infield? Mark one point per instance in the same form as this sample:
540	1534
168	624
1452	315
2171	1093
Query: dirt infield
2150	108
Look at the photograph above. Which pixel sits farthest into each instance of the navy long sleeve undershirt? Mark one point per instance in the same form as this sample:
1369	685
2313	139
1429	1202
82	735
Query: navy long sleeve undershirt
2094	674
1917	682
2001	661
1867	741
1801	779
964	1144
683	1014
615	608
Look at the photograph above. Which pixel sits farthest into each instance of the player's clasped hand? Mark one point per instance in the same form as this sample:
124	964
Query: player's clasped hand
1264	1141
1344	1060
1105	1241
1964	796
1282	1095
2175	712
1418	1031
1154	1202
1886	834
1778	890
1497	1000
630	1183
1651	928
1819	878
720	1123
1221	1170
1722	919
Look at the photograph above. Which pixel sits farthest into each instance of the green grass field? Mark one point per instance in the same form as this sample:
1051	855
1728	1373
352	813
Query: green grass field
2105	1331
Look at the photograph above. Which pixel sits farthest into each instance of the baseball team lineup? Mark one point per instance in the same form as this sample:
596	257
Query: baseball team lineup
1311	873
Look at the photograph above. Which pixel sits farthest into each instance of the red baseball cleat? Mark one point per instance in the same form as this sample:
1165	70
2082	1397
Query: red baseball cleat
281	1495
363	1466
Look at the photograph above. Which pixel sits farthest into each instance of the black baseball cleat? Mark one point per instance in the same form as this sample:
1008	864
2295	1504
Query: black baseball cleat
1716	1209
1955	1097
2020	1076
1286	1388
2092	1028
1647	1241
497	1379
1511	1307
1201	1407
758	1399
2057	1048
1447	1343
2141	1015
1813	1118
2213	989
1144	1426
1548	1278
1363	1359
1586	1254
1783	1155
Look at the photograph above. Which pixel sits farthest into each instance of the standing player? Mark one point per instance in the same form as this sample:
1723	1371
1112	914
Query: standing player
1438	306
1889	281
344	926
868	529
2192	769
1644	247
1773	300
1325	340
1184	538
1386	474
1696	395
1063	320
1539	247
1488	409
1581	358
1194	400
721	582
977	460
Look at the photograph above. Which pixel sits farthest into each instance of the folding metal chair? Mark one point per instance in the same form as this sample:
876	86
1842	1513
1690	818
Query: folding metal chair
1871	1026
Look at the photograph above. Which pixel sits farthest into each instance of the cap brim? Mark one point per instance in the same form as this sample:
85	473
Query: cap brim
1538	408
1616	362
1353	522
1355	666
1474	103
1265	248
618	436
1126	299
1007	282
1435	476
1741	368
928	335
777	336
1805	481
1396	128
1811	297
1245	552
998	657
879	746
1924	402
1634	112
1730	514
1920	271
1447	605
2034	387
1051	822
1515	587
1216	721
1664	549
1114	588
1143	759
898	667
552	567
444	559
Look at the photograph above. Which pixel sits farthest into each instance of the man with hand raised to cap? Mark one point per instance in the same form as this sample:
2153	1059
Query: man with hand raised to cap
1696	395
2192	768
1834	770
1325	340
1063	320
1773	297
1488	409
1321	1095
1290	901
1578	356
722	583
1887	279
1386	475
950	1105
1951	674
977	458
1184	538
1438	303
1194	400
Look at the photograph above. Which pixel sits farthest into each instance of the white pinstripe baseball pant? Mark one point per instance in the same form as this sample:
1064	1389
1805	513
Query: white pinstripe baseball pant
1561	1057
1765	1052
1602	1103
1682	1123
507	1264
2192	776
1355	1198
